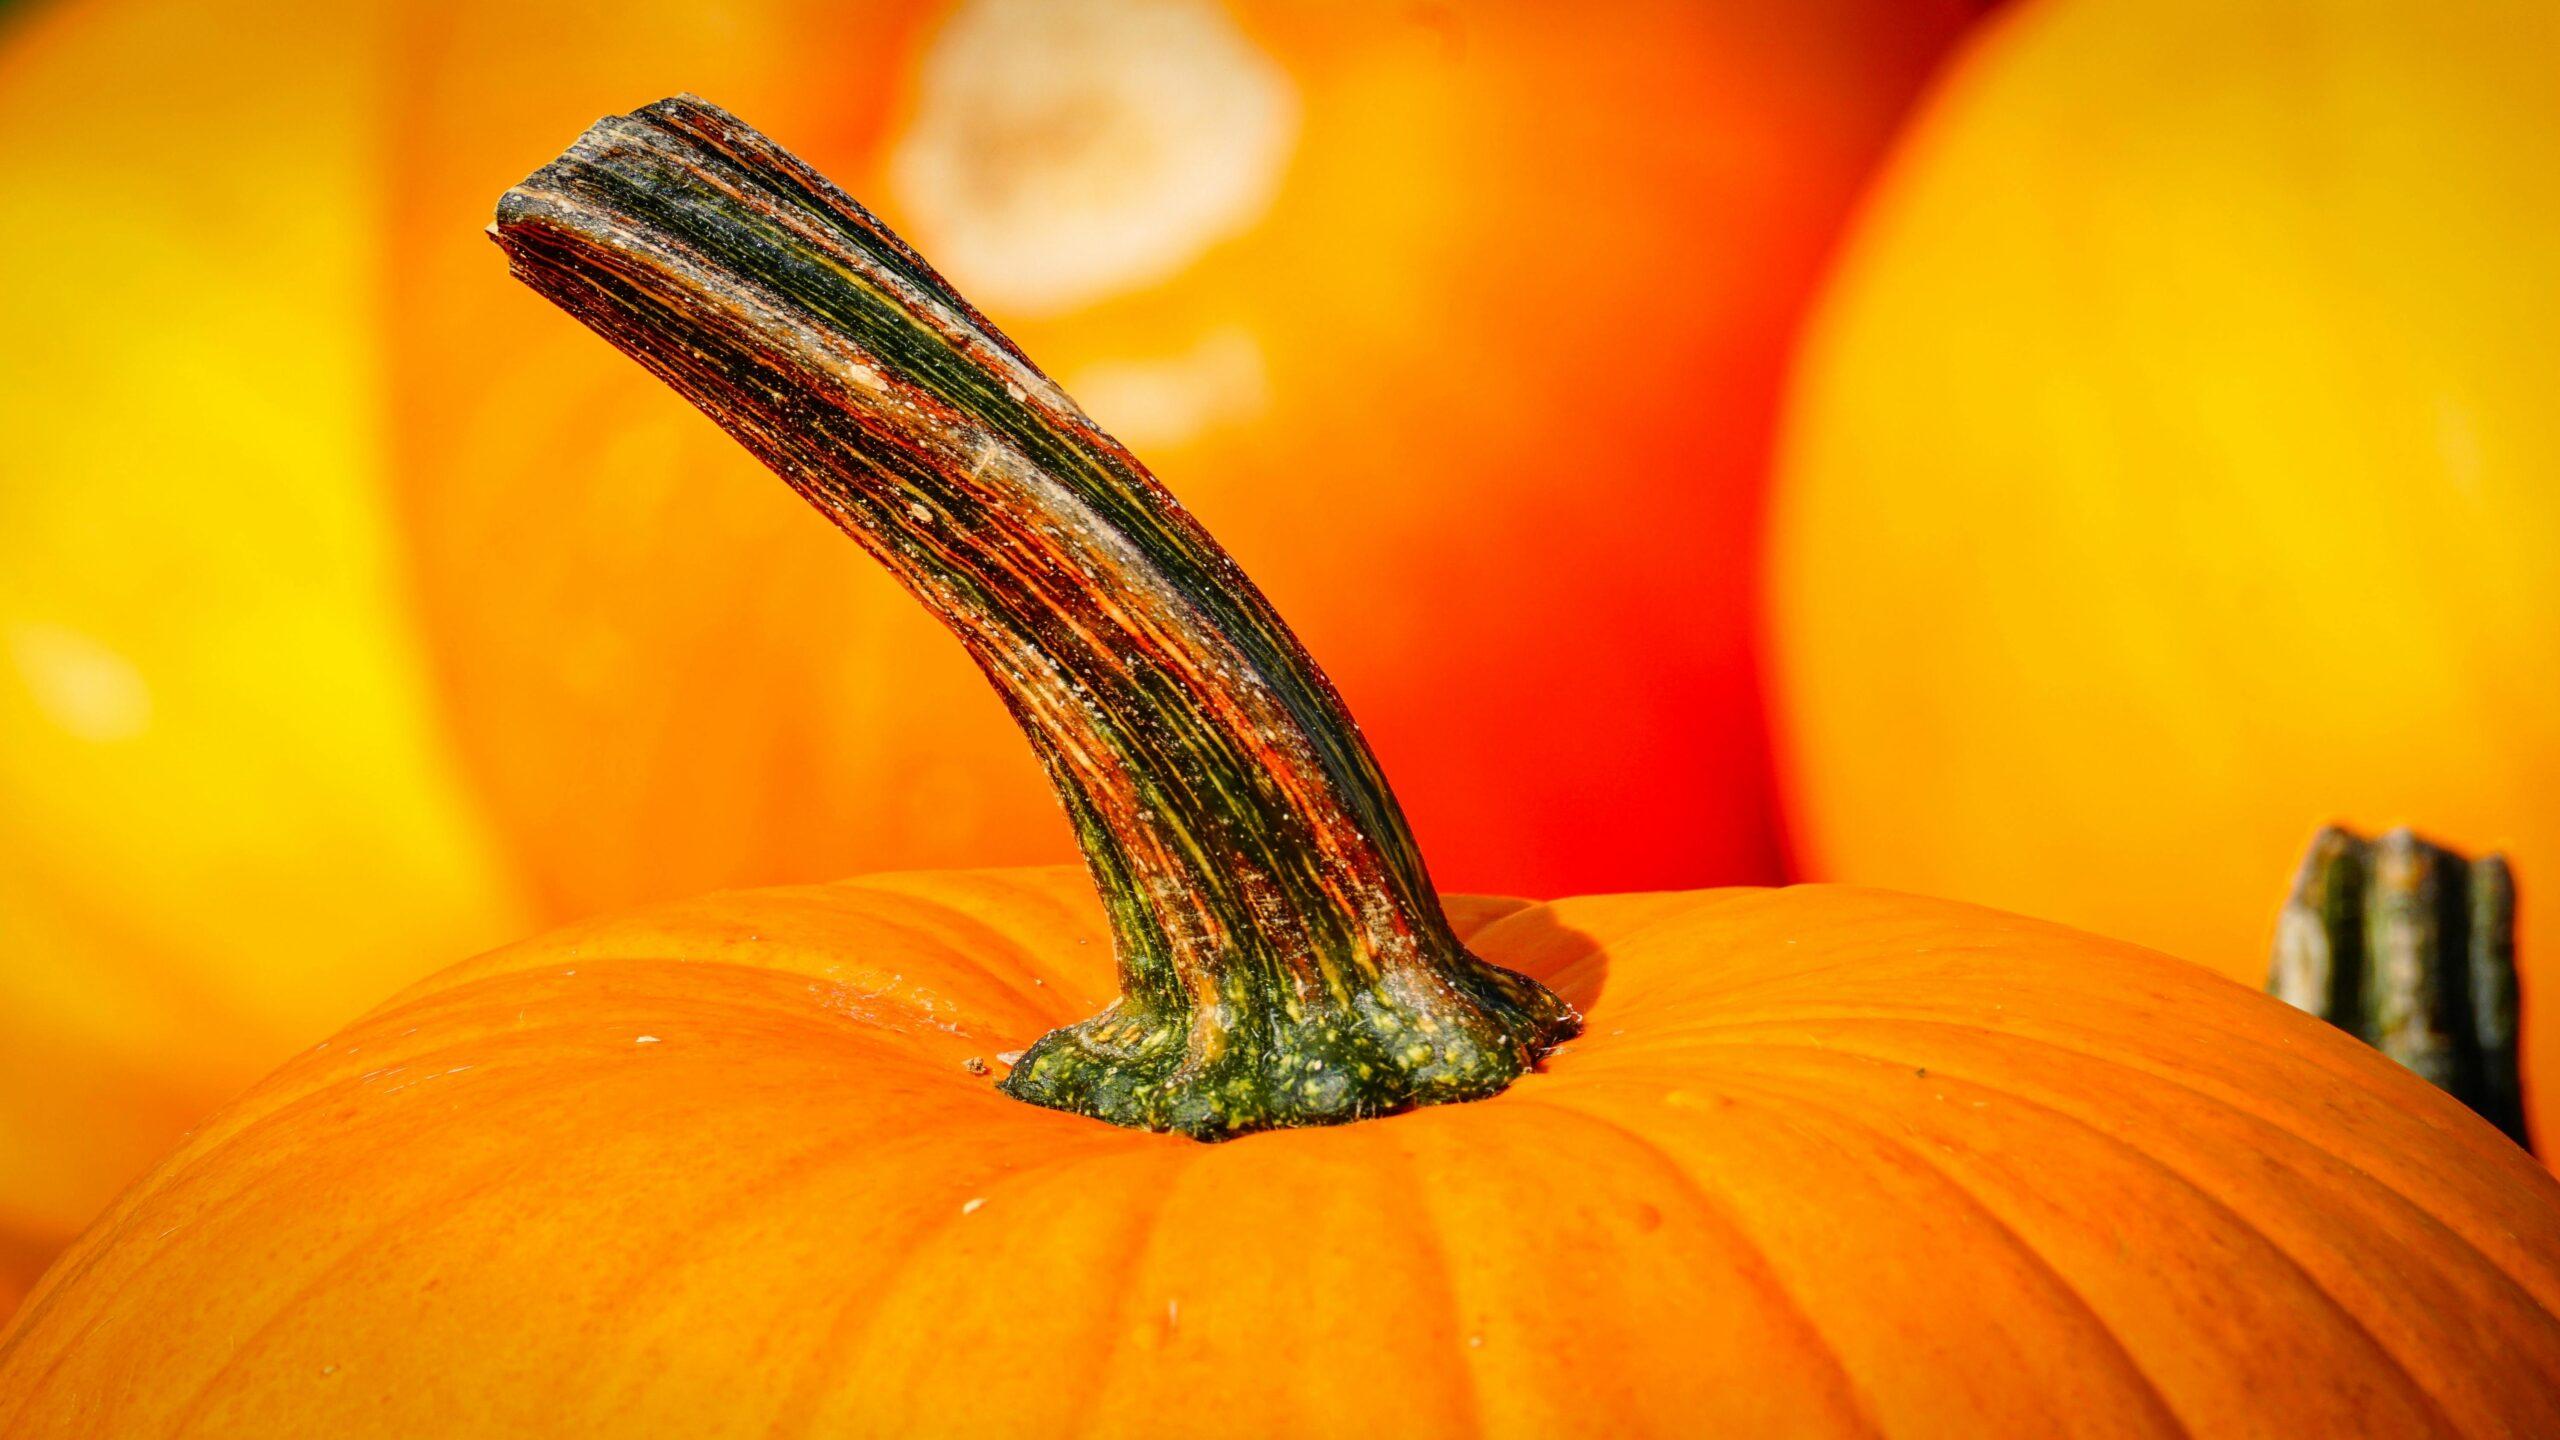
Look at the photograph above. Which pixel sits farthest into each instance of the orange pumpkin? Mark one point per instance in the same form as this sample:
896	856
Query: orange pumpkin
354	616
1827	1161
2170	473
1823	1161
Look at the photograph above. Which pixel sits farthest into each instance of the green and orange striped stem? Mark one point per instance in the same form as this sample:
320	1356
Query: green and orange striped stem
2411	948
1283	957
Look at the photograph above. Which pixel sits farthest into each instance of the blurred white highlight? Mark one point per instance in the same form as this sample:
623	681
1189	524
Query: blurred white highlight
1064	151
81	685
1159	403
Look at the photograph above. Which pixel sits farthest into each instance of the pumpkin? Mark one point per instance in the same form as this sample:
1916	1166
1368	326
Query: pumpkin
2168	473
353	617
1821	1161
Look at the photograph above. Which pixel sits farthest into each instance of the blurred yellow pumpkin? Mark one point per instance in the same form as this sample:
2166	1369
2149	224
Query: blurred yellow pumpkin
2174	469
354	613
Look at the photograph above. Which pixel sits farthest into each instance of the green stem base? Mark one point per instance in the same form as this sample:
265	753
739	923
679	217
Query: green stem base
1419	1038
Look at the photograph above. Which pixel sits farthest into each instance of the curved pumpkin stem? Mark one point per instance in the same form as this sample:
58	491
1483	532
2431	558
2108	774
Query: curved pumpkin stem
2411	948
1283	957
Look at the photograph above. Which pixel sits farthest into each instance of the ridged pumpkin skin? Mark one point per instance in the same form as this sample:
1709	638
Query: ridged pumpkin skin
1826	1161
2171	474
355	613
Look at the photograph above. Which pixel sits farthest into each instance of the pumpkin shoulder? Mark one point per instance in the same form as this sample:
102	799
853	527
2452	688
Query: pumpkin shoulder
606	1172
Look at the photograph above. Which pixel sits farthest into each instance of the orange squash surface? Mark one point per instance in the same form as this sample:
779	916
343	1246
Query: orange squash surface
1825	1161
354	614
2171	474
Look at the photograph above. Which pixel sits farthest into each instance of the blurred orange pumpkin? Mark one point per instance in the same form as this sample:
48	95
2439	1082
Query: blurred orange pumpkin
2173	472
337	643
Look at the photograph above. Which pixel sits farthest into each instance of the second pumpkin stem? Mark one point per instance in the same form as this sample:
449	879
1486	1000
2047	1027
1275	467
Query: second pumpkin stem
2411	948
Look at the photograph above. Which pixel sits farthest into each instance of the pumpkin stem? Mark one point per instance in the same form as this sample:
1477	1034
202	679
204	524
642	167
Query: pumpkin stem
2412	949
1283	957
